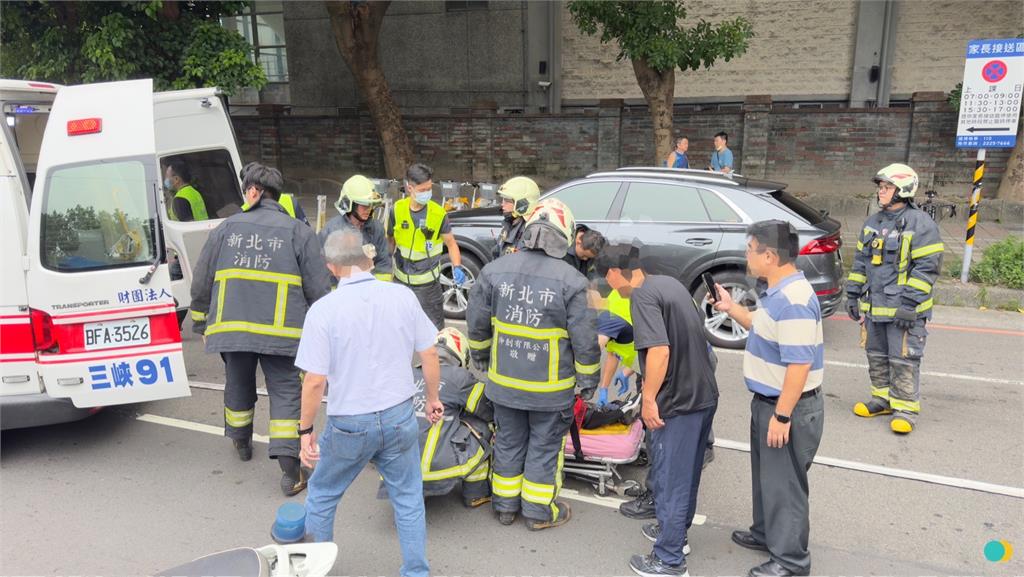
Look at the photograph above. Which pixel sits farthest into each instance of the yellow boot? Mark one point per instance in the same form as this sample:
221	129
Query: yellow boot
901	425
872	408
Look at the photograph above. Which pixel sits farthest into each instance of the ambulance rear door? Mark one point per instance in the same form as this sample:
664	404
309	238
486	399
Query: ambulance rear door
109	331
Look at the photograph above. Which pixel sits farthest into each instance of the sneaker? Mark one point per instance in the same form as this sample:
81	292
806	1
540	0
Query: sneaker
651	566
564	514
474	502
653	530
506	517
244	448
640	508
873	408
709	455
631	409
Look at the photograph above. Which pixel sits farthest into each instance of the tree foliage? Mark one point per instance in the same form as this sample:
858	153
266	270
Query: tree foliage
653	31
178	44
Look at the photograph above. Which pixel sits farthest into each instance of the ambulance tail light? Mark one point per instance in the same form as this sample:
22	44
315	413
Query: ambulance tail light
43	335
85	126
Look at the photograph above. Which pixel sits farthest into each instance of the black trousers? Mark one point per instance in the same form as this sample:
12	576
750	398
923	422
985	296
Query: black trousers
284	389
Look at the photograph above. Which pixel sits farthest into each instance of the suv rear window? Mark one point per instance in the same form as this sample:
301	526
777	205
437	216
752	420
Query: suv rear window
98	216
801	208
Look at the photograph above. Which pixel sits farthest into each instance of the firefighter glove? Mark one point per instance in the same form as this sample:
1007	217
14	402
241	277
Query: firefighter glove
905	318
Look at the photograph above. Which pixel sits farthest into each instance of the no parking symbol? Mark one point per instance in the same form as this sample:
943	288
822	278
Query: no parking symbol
994	71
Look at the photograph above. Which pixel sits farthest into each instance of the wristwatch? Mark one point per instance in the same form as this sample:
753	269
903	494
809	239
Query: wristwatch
308	431
780	418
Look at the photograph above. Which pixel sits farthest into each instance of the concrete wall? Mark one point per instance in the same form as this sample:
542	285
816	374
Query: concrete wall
932	37
432	58
800	48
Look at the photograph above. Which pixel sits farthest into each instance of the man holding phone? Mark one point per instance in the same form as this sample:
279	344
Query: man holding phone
679	399
783	367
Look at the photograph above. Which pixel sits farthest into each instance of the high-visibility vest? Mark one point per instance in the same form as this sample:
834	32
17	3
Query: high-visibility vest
416	245
287	202
195	202
619	306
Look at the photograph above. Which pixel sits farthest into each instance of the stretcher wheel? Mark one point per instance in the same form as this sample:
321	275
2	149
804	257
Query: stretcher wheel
627	488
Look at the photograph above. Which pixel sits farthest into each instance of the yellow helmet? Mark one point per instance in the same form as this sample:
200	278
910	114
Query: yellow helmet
523	192
455	342
357	190
553	215
902	177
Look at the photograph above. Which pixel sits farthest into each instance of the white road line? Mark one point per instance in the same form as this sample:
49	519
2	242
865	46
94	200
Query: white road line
610	502
923	373
190	426
897	473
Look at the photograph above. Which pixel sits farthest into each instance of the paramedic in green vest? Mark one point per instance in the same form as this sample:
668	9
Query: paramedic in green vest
419	231
286	200
188	204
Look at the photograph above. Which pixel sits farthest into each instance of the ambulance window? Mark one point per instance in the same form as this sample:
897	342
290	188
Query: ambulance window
97	216
211	173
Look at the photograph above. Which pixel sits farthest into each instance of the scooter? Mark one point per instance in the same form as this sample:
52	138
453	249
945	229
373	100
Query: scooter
296	560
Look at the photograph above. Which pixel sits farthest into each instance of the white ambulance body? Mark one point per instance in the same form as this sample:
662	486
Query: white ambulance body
87	303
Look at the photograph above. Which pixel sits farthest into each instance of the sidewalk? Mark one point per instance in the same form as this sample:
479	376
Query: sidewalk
953	234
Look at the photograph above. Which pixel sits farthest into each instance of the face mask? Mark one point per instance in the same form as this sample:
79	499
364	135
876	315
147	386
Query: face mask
167	184
423	197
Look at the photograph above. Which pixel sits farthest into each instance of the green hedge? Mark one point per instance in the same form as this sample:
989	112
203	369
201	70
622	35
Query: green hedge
1002	264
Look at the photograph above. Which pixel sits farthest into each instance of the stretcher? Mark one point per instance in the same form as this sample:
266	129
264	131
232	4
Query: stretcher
601	451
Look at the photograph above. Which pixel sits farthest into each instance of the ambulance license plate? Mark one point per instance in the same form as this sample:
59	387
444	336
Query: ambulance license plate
112	334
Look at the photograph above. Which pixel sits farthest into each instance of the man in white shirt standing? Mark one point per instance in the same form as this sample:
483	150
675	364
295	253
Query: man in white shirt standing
356	337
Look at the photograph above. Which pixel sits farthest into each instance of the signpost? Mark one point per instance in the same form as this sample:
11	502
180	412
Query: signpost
989	109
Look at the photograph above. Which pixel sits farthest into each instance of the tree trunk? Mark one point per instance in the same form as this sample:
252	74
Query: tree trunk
659	89
1012	185
356	29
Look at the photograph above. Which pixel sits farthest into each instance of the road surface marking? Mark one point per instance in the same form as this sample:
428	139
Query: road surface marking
935	374
897	473
189	425
981	330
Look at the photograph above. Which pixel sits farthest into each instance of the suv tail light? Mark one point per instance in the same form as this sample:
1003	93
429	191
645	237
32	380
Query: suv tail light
43	335
823	245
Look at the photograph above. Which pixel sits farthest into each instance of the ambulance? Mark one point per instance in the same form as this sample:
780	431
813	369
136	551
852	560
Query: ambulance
93	269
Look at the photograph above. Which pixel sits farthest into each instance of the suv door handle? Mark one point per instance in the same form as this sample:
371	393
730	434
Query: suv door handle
699	241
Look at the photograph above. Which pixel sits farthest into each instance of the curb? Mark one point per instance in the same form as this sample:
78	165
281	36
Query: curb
950	292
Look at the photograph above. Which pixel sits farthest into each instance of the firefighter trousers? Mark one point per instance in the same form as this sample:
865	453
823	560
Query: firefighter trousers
526	469
894	364
284	389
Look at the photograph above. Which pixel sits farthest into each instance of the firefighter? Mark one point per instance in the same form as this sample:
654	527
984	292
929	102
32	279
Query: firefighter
889	290
258	273
286	200
518	197
457	448
531	330
419	232
356	205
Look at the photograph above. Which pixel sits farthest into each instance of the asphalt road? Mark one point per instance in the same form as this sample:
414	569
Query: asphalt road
139	488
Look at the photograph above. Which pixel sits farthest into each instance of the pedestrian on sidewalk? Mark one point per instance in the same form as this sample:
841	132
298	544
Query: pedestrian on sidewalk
898	260
721	158
678	401
783	367
419	231
677	158
380	427
267	270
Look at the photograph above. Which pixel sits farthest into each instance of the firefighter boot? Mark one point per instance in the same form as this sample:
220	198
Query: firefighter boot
293	481
506	517
879	372
564	514
244	448
873	408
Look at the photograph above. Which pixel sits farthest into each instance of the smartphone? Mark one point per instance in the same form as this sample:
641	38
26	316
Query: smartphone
709	282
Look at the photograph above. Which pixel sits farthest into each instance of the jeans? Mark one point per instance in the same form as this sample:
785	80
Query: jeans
390	440
676	459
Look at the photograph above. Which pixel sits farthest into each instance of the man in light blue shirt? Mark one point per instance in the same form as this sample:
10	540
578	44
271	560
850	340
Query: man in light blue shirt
361	338
721	158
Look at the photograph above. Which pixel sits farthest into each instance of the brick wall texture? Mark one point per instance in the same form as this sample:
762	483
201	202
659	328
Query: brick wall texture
815	151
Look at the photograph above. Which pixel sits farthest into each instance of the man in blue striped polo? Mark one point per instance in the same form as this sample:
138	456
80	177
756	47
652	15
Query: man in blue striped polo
783	367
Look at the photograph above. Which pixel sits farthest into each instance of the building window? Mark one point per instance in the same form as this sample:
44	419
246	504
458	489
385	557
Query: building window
262	24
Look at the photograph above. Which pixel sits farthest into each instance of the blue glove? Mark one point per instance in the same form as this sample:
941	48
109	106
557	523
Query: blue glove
459	275
602	397
621	381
